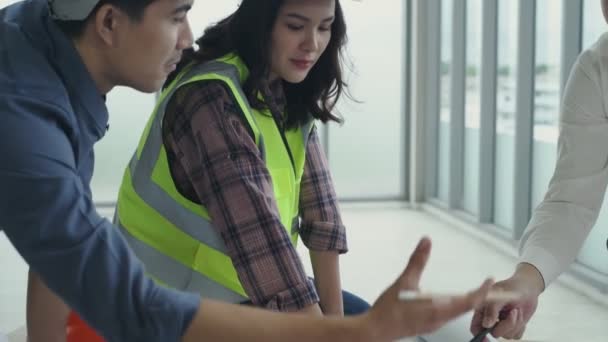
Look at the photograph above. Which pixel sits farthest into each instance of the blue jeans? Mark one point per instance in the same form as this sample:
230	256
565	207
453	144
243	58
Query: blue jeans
353	305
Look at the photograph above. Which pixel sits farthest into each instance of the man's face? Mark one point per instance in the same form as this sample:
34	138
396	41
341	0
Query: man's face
146	51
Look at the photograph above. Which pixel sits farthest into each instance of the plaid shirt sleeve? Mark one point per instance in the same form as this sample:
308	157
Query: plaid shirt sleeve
322	228
215	161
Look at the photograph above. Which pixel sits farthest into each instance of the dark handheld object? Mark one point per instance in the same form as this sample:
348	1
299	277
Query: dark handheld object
482	334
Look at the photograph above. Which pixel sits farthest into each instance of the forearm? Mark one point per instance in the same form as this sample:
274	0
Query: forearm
313	310
322	230
47	314
555	234
326	268
216	321
268	266
86	262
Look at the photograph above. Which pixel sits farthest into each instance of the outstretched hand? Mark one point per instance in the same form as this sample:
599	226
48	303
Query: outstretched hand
391	318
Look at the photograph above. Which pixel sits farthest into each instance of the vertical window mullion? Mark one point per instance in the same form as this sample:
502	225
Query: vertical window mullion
571	36
524	116
457	105
488	110
432	92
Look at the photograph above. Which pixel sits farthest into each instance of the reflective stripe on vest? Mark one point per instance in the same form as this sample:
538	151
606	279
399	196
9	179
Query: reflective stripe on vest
172	235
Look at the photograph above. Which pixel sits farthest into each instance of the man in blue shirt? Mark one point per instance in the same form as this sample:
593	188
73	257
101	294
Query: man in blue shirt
57	62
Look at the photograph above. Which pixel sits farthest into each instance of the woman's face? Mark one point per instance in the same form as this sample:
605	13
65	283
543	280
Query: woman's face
299	37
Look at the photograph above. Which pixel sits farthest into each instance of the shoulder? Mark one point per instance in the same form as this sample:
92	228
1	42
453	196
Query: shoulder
34	101
27	73
594	60
200	103
198	98
201	91
209	80
586	91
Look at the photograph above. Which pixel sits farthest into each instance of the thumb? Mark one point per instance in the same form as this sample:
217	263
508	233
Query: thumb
410	278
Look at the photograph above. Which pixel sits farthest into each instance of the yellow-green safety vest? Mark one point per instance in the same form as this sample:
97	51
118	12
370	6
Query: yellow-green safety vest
172	235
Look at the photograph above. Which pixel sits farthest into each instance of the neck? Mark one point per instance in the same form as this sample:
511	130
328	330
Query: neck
93	61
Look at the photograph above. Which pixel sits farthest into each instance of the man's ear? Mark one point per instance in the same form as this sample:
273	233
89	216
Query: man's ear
108	19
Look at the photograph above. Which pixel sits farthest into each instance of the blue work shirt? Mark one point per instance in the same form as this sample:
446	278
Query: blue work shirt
51	115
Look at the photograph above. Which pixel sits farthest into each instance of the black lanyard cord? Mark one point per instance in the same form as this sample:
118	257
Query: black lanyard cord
281	127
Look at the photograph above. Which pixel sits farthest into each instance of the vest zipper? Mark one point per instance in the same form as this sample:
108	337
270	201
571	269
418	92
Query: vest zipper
281	127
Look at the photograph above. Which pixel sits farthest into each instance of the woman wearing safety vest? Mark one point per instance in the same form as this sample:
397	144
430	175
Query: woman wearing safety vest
230	172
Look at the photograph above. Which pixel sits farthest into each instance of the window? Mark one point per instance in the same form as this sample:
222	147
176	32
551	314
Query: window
594	24
472	105
443	162
129	111
4	3
370	144
505	112
546	95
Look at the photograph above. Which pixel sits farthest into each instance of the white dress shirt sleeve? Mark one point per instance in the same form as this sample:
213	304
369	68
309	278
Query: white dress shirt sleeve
562	222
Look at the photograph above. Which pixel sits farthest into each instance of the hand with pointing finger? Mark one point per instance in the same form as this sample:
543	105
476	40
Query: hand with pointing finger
391	318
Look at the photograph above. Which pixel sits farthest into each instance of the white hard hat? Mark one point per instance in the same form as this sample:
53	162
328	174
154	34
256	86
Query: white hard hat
71	9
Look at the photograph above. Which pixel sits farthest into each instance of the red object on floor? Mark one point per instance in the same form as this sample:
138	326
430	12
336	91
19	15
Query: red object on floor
78	331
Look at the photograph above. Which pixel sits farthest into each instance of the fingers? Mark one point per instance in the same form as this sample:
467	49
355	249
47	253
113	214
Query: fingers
507	325
512	324
519	334
512	327
460	305
476	327
477	321
491	314
521	326
478	296
410	278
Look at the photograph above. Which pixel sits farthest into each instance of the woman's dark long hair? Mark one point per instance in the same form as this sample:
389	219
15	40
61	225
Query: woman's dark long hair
247	32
